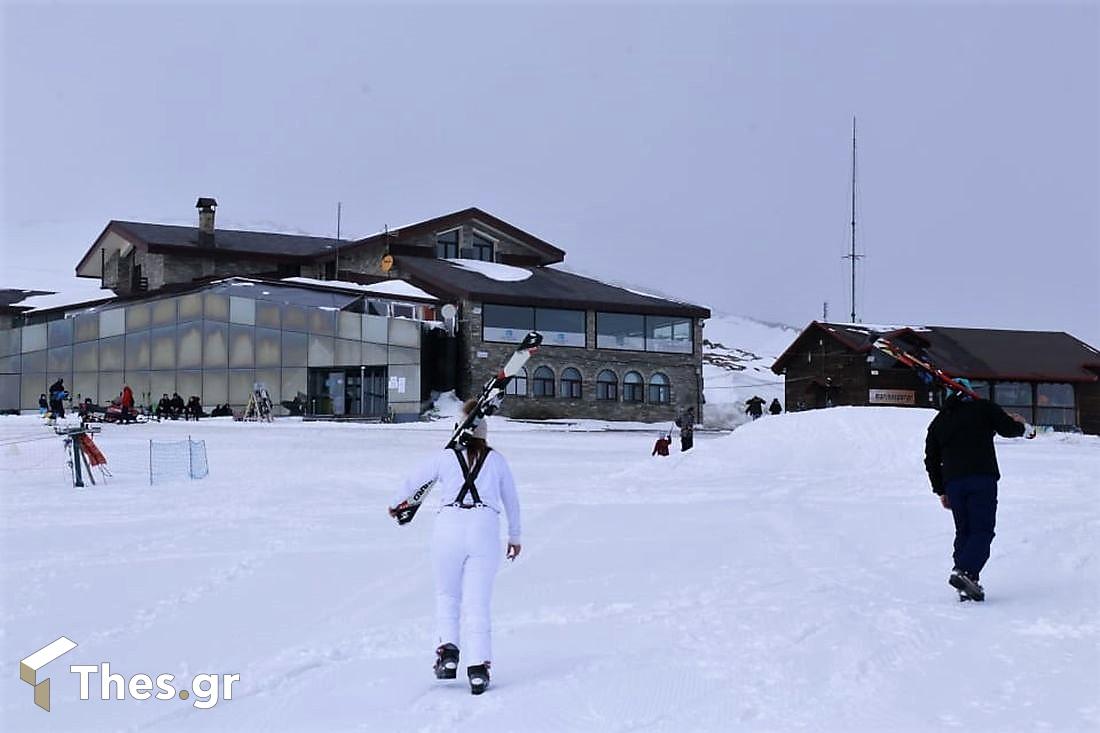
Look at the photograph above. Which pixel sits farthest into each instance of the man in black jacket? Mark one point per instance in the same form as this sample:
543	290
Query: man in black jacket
962	466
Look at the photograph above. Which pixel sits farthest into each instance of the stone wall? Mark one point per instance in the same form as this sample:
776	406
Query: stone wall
478	359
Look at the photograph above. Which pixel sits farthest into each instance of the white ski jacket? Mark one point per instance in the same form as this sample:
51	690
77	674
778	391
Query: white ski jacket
494	483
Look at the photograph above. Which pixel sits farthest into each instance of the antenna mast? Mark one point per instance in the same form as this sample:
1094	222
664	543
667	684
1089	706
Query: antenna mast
852	255
336	273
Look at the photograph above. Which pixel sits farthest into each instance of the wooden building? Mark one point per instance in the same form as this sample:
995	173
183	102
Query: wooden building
1050	378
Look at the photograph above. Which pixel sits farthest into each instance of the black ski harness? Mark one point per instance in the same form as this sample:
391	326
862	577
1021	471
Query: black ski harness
469	474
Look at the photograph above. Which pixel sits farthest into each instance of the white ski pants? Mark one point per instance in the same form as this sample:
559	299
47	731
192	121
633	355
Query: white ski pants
466	555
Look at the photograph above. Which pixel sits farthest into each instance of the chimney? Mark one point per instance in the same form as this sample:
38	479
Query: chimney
206	208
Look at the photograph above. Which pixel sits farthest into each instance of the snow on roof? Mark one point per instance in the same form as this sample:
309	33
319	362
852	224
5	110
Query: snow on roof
875	327
394	288
73	294
493	270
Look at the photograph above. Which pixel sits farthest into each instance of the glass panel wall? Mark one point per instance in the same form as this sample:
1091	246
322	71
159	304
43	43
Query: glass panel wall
506	323
60	332
561	327
34	361
242	310
86	327
620	331
34	338
1055	404
1014	397
138	317
111	323
111	354
241	352
204	344
164	312
668	334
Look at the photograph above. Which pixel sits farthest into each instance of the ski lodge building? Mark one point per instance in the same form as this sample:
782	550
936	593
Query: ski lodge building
350	328
1050	378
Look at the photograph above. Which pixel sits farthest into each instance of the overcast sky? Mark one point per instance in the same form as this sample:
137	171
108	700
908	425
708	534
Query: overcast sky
702	151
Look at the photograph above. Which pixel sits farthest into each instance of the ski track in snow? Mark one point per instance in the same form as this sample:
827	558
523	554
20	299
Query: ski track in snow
788	576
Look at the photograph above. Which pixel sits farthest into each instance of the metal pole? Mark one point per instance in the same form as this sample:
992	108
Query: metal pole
150	462
362	390
190	459
78	478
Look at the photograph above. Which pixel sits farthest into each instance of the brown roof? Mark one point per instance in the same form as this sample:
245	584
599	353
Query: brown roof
546	287
976	353
439	223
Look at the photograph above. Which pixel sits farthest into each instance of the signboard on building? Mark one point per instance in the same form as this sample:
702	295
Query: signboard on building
892	397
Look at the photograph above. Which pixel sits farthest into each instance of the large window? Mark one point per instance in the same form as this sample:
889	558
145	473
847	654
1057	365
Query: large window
446	244
542	384
507	323
510	323
659	393
560	327
571	384
518	386
483	247
607	386
668	334
632	332
620	331
1014	397
1055	404
633	387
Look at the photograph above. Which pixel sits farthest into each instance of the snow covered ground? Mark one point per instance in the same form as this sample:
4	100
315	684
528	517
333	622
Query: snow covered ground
787	576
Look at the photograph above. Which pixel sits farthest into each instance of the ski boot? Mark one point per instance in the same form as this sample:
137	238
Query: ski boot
446	662
967	585
479	678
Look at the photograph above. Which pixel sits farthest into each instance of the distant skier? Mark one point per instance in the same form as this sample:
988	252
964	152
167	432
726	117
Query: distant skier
686	423
58	394
660	448
962	467
755	406
177	405
475	485
775	408
126	400
43	404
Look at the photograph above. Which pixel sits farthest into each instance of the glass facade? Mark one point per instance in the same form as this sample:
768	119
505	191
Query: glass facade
215	344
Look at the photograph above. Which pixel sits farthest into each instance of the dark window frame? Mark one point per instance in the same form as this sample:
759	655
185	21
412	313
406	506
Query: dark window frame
442	254
542	385
572	388
634	392
660	393
645	333
607	391
482	242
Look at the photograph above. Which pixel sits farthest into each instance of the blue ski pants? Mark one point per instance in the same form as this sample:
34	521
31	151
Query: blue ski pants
973	502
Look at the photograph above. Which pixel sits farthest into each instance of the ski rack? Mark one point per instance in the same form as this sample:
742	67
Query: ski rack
72	435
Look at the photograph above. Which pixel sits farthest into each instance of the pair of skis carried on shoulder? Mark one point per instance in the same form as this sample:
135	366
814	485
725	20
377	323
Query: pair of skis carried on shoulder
492	394
923	366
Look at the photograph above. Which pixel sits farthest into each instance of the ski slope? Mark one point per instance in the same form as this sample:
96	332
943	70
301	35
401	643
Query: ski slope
787	576
738	353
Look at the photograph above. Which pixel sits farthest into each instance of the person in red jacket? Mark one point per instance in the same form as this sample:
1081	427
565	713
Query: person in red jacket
127	403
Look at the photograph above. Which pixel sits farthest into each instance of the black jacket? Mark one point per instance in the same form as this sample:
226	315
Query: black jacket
960	440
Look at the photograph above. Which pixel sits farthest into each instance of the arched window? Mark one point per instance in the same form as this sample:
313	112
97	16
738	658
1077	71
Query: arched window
571	383
543	382
633	387
659	393
518	386
607	386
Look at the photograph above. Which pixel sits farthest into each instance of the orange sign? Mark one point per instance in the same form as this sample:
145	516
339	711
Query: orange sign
387	263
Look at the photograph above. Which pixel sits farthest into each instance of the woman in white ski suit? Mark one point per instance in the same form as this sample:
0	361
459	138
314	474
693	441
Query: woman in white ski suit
466	541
